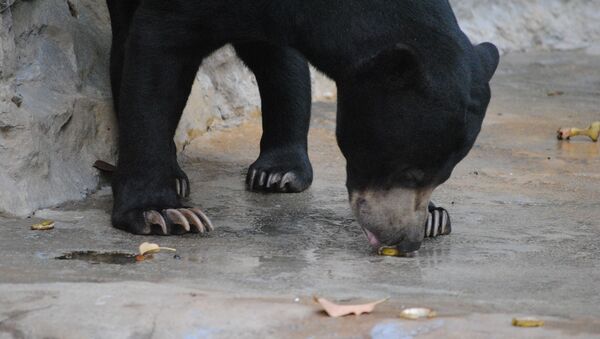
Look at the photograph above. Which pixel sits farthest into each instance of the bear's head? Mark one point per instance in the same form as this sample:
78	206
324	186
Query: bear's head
404	121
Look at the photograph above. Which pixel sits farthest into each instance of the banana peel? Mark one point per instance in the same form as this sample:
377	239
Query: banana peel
148	249
593	132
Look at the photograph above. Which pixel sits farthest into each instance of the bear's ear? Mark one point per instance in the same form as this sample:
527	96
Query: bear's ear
398	67
489	57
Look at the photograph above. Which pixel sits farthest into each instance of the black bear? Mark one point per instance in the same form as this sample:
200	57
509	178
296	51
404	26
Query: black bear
412	95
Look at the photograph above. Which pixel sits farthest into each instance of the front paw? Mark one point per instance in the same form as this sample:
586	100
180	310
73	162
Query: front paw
280	172
171	221
146	202
438	222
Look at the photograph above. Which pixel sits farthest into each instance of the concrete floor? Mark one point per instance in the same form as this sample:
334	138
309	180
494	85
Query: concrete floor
526	225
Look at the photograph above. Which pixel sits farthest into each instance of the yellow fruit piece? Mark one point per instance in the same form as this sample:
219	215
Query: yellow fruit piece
394	252
389	252
43	226
527	322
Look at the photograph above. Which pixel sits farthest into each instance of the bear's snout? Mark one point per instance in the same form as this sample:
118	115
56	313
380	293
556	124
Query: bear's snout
394	217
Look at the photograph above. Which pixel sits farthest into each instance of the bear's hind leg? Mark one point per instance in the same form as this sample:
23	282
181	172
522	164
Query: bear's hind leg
284	83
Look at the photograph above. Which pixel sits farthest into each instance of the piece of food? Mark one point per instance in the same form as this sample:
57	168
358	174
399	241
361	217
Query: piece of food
334	310
417	313
389	251
593	132
43	226
527	322
149	248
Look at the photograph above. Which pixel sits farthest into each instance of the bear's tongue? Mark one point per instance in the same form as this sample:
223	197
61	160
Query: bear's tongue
372	238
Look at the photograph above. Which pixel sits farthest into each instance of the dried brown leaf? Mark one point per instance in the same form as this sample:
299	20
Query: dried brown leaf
334	310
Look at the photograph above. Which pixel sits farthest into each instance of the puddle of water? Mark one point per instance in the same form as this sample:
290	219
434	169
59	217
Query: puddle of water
395	330
115	258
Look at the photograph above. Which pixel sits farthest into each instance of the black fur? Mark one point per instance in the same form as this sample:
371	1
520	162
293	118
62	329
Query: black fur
412	89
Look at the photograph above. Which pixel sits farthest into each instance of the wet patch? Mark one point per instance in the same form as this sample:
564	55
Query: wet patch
114	258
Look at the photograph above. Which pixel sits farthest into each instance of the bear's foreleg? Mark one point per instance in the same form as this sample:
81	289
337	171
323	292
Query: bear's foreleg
158	72
284	83
121	15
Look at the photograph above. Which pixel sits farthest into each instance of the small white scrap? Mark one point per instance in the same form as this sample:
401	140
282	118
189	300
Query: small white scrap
417	313
149	248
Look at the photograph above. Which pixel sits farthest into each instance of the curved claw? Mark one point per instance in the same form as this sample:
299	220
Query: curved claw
287	178
178	188
182	185
178	218
438	223
273	179
193	220
446	223
262	178
205	220
155	218
250	179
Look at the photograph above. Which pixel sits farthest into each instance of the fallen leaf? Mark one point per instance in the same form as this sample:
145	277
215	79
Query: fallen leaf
43	226
149	248
334	310
527	322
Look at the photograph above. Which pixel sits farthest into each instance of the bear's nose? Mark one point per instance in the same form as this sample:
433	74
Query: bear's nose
408	246
392	217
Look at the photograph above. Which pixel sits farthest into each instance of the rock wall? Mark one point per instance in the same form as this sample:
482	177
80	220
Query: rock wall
55	108
521	25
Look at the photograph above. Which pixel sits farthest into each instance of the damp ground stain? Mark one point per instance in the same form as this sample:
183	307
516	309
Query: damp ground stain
93	257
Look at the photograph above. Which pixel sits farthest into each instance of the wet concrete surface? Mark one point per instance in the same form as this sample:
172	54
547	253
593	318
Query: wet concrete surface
525	241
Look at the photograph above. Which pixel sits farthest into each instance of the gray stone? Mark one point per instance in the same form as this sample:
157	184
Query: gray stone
55	107
520	25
